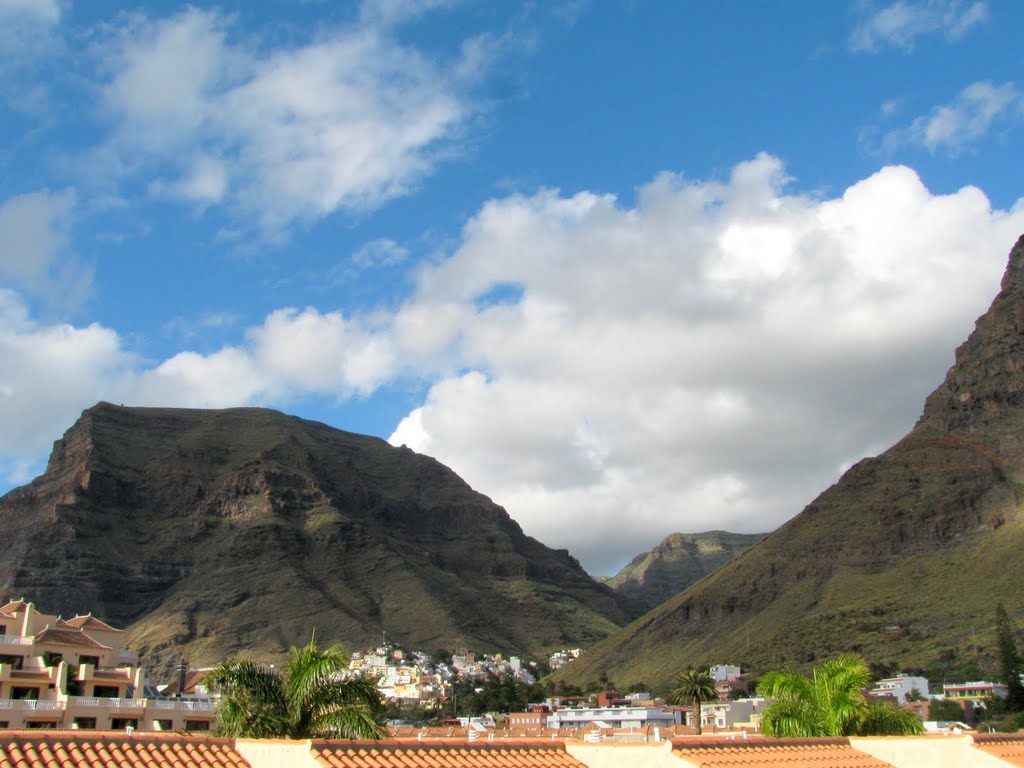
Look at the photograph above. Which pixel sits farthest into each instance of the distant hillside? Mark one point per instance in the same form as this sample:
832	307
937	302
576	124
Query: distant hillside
902	560
213	533
681	559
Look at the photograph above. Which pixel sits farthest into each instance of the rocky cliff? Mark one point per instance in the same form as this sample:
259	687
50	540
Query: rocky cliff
679	560
240	531
903	559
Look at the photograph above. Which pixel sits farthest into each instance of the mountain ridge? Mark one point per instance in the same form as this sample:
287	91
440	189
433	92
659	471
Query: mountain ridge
902	559
214	533
676	562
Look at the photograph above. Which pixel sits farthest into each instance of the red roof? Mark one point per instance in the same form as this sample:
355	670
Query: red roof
68	637
91	622
1006	746
774	753
393	754
53	749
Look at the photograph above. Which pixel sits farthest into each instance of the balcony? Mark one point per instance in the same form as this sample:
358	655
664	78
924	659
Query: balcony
106	703
15	640
182	705
30	705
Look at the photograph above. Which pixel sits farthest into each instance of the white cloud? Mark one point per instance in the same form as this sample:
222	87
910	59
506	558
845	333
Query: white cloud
41	11
49	374
342	123
899	24
976	111
35	250
708	357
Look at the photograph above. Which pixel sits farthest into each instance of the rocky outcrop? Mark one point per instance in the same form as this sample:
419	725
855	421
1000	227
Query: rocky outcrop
214	533
679	560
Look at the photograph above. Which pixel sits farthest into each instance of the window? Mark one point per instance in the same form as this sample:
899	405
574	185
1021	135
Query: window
42	724
106	692
94	660
120	723
3	629
85	723
197	725
16	662
76	688
5	724
24	692
164	725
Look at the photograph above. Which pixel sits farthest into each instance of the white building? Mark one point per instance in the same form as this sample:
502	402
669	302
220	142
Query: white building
615	717
900	687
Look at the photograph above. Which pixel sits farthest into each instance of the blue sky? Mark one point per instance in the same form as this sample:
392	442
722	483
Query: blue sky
628	267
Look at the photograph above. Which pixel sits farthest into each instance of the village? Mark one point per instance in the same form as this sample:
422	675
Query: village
77	674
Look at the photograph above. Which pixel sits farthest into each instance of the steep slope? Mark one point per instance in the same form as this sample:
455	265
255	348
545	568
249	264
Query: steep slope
903	559
679	560
212	533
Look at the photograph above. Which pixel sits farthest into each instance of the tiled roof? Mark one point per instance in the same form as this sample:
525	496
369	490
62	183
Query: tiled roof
447	754
68	637
25	749
91	622
1008	747
774	753
13	607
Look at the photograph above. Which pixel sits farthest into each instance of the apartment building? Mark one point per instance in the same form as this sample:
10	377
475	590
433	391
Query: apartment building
76	673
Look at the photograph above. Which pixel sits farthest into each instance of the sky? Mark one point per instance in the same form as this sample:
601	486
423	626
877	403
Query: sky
629	267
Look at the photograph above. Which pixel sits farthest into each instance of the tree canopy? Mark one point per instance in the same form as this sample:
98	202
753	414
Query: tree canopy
1009	658
313	696
693	687
830	703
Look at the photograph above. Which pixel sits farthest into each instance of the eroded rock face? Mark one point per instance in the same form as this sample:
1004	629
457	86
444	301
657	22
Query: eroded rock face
903	559
212	533
679	560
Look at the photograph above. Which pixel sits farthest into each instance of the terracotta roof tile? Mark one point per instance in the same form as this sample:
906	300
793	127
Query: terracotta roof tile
450	753
68	637
774	753
27	749
1008	747
91	622
13	607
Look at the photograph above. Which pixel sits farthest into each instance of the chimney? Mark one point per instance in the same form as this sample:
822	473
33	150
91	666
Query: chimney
182	669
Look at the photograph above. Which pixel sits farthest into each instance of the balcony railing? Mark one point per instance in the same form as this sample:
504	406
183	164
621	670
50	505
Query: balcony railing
182	705
109	703
15	640
31	705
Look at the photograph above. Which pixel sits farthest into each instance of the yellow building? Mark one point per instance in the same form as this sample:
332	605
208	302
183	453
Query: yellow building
76	673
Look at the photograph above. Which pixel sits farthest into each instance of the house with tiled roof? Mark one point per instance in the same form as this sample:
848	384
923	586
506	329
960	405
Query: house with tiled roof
76	673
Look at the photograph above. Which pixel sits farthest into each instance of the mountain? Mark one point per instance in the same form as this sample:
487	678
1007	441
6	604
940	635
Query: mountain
902	560
681	559
241	531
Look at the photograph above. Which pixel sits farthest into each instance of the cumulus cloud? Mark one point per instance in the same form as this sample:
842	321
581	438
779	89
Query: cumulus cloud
899	24
49	373
35	249
344	122
710	356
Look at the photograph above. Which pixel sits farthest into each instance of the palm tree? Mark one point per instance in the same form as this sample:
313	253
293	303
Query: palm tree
312	697
693	687
830	703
